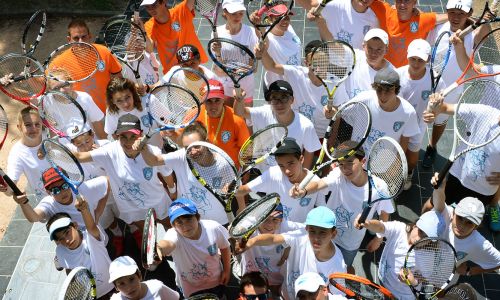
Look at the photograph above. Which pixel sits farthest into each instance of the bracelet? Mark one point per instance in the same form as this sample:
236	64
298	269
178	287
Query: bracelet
25	202
305	194
172	189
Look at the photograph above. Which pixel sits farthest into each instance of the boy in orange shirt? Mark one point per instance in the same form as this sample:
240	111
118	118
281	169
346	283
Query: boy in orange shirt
404	24
171	28
225	129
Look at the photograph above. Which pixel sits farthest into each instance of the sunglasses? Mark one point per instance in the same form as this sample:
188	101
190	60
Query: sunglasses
58	189
257	297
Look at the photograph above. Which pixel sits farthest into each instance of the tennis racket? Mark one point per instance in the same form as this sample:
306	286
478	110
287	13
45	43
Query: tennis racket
439	58
209	9
357	287
172	107
4	131
332	62
257	8
475	121
65	164
461	290
19	83
236	60
352	122
204	297
59	111
215	170
192	80
483	19
432	262
148	252
245	224
485	55
33	32
387	171
127	41
318	9
79	285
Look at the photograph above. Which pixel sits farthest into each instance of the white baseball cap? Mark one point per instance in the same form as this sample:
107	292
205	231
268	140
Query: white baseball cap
465	5
233	6
419	48
470	208
147	2
309	282
120	267
377	33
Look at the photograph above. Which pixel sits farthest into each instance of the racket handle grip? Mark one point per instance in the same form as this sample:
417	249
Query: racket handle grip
230	216
239	92
306	180
11	184
443	174
144	141
318	9
467	30
329	104
215	34
364	215
450	88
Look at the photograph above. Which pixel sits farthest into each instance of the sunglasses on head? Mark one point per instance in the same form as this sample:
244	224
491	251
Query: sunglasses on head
58	189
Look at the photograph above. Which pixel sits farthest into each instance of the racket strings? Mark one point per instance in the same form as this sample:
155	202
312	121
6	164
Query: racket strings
174	106
432	262
78	60
441	54
213	167
364	290
34	32
207	8
61	113
4	125
151	239
125	40
254	216
262	144
27	75
477	115
386	163
333	61
60	157
235	60
487	51
80	288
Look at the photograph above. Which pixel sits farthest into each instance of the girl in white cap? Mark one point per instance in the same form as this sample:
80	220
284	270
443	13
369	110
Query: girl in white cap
400	237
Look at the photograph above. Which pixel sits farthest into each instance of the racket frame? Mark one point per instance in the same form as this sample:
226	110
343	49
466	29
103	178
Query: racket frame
197	73
31	21
481	21
353	294
69	279
211	16
148	228
260	26
4	178
436	77
318	9
29	61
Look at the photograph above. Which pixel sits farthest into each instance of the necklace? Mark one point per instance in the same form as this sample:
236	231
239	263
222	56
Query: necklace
218	125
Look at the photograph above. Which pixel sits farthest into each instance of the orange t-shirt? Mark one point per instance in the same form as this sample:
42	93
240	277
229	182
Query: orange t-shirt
178	31
401	34
232	134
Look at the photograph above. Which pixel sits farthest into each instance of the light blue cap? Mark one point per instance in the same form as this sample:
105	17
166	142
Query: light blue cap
321	216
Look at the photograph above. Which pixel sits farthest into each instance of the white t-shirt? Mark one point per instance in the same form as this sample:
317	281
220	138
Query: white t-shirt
475	248
308	98
24	160
346	24
156	291
273	180
301	259
91	169
266	258
92	111
473	167
188	187
148	69
285	50
91	254
91	190
401	122
247	38
301	128
135	185
393	258
361	78
147	122
197	87
197	262
346	201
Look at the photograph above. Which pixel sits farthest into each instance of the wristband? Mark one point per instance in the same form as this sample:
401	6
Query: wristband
305	194
25	202
172	189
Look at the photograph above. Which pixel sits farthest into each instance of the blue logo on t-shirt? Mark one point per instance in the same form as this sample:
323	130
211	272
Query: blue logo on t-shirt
414	26
147	172
397	126
100	65
212	249
225	136
176	26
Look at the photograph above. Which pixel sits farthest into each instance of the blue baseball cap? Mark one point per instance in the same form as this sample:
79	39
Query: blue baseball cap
432	224
181	207
278	211
321	216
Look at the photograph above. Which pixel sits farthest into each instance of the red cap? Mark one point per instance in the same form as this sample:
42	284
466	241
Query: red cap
278	10
216	89
50	176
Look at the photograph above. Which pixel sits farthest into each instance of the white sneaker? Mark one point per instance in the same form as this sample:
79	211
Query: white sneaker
408	182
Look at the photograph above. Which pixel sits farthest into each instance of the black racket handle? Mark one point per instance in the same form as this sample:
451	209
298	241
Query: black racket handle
11	184
443	174
364	215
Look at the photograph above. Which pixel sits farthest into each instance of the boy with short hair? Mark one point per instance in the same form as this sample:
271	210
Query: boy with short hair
127	279
197	247
311	250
